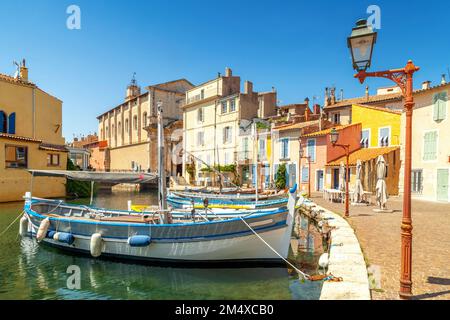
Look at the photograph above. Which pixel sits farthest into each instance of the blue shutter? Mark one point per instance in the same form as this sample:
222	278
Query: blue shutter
312	149
275	172
12	123
287	175
2	122
254	175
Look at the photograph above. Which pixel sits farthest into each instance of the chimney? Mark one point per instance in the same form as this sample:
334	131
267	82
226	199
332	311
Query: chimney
228	72
341	98
248	87
443	81
333	95
426	85
367	93
307	102
316	109
273	89
326	101
24	71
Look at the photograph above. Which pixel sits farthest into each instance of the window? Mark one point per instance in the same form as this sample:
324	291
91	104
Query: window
262	149
416	180
224	107
3	122
245	148
202	94
107	132
305	174
365	138
52	160
16	157
12	123
120	128
113	130
200	138
135	123
312	149
284	148
126	125
227	135
200	115
384	137
430	145
336	118
144	119
227	158
439	106
232	105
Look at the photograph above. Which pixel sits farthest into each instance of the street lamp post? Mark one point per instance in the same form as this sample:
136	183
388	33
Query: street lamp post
361	43
309	168
334	136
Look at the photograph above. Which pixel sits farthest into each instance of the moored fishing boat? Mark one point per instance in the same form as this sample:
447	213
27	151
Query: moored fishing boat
138	237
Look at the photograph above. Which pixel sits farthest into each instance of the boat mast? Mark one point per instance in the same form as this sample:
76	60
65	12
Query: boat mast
161	170
255	158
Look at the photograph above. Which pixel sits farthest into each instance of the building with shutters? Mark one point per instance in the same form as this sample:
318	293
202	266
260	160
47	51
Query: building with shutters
217	119
30	138
128	141
430	143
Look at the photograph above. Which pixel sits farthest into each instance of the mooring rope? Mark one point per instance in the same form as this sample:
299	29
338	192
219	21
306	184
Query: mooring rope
305	276
11	224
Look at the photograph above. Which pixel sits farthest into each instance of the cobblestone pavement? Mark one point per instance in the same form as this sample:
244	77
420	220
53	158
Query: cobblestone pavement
379	236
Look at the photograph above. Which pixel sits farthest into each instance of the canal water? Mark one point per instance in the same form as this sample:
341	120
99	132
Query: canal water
32	271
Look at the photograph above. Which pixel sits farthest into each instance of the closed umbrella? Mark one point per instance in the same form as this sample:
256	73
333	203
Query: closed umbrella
381	188
358	193
342	177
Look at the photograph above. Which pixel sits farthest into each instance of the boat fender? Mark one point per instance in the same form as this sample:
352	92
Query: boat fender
64	237
42	231
139	241
23	227
323	260
51	234
96	245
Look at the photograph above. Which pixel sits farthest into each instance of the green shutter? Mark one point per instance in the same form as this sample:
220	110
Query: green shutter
430	146
442	105
436	107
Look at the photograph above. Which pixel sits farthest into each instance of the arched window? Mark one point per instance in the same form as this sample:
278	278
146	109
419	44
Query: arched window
144	119
120	128
107	132
113	130
135	124
126	125
3	122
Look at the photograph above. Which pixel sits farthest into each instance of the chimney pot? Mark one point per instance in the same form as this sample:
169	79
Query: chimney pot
426	85
228	72
248	87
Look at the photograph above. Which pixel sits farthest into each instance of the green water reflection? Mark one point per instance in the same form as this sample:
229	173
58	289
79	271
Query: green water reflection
32	271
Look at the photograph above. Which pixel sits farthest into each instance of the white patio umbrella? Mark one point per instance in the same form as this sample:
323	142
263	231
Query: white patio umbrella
342	177
381	188
358	193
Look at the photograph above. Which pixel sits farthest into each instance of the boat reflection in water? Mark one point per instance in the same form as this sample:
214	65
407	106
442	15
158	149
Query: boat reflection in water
42	274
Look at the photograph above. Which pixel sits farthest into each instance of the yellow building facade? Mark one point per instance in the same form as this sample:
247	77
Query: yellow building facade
380	127
30	138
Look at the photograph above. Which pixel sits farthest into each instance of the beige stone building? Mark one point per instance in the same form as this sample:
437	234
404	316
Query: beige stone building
125	127
430	144
30	138
217	118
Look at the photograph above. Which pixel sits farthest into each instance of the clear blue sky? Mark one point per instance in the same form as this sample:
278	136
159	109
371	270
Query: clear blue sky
297	46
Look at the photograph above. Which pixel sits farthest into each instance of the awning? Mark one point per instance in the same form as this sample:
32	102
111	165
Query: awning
106	177
364	154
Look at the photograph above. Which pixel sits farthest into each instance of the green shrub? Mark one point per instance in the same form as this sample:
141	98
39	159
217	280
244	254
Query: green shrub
280	182
79	189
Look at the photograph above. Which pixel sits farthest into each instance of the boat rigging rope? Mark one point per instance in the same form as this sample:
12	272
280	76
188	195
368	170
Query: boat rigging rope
10	225
305	276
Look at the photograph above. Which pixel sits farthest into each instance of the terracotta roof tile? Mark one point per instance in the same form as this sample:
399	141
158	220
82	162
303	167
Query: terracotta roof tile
364	154
365	100
327	131
14	137
298	125
7	78
379	109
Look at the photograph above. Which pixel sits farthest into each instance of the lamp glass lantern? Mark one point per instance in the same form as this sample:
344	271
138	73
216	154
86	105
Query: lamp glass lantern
361	43
334	136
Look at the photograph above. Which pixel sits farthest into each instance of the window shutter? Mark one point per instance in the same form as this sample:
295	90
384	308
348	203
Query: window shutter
2	122
436	107
275	171
426	146
442	106
12	123
433	145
